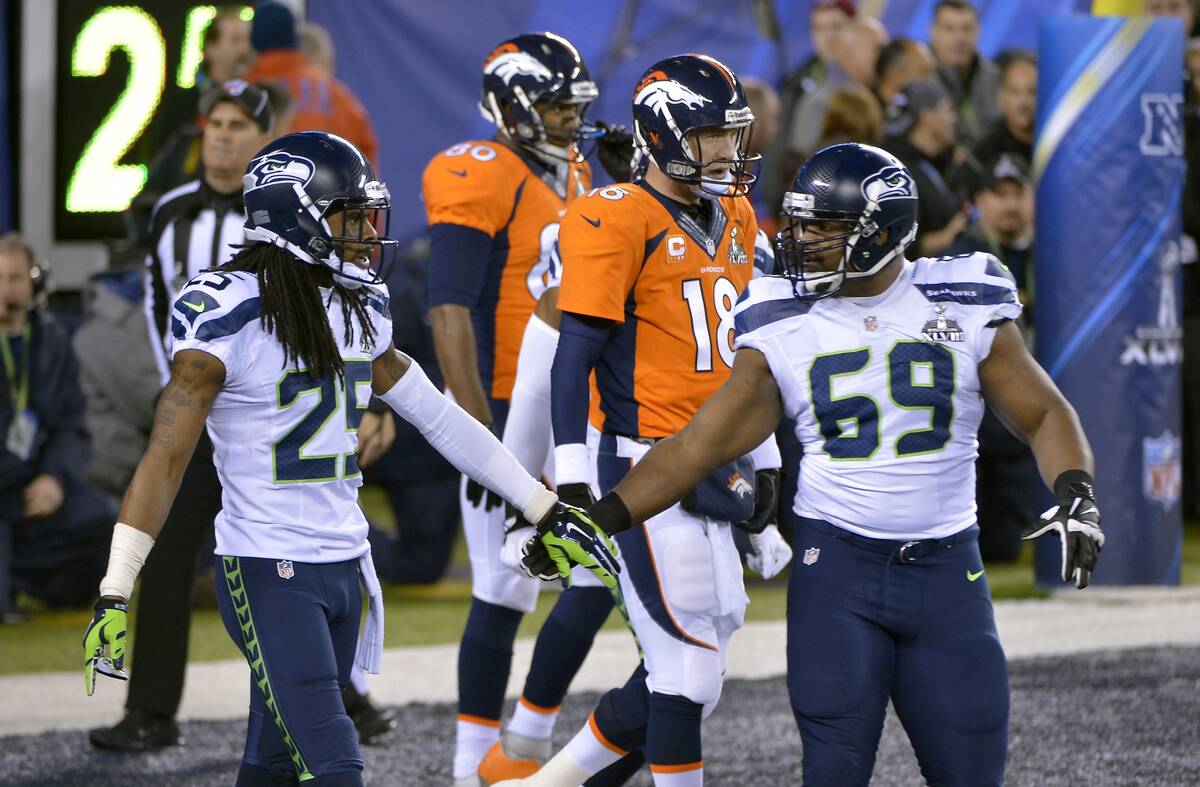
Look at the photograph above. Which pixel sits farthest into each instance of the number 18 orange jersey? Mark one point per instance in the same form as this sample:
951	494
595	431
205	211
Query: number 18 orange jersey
636	257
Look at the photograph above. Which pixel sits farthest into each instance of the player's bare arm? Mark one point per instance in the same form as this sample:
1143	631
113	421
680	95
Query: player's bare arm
387	370
1029	402
735	420
547	308
196	379
454	340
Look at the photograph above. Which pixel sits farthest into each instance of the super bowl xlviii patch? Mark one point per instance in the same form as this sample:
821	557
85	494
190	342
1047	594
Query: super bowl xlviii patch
284	567
737	255
811	554
941	329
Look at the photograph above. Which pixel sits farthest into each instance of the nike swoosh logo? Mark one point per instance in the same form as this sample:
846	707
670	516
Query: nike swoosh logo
593	222
196	307
974	575
460	173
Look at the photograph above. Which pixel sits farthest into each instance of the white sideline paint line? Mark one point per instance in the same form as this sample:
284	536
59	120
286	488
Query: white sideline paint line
1099	619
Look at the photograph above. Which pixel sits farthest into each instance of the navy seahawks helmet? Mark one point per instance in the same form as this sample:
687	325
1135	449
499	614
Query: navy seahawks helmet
532	69
294	184
682	94
865	189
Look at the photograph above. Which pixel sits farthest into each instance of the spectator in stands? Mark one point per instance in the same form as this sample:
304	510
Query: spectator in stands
54	529
920	132
1006	477
853	116
971	78
1003	194
1012	132
317	47
320	102
900	62
764	103
227	52
119	375
854	64
826	22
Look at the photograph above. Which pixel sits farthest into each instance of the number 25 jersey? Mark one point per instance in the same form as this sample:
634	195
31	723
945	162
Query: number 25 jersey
635	257
284	442
885	391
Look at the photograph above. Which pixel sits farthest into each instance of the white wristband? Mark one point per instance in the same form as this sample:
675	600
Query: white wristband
571	464
126	557
543	500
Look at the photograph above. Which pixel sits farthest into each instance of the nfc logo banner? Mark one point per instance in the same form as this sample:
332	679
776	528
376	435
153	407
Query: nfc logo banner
1162	132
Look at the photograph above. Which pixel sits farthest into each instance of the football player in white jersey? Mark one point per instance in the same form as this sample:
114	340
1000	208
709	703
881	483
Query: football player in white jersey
277	352
883	364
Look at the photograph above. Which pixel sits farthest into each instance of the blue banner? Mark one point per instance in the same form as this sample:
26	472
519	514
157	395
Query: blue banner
1110	169
8	177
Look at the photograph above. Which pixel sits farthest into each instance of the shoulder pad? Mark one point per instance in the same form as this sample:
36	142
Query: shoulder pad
214	305
974	279
767	300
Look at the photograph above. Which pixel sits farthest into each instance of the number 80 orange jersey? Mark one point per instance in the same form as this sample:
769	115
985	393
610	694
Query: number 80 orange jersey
634	256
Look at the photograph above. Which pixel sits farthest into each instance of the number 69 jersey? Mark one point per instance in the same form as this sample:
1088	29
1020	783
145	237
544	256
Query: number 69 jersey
284	442
885	391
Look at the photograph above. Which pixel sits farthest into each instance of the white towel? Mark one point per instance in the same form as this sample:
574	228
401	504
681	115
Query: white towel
369	653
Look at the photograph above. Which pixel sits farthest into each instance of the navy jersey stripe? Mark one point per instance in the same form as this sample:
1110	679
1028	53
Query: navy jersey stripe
231	323
967	292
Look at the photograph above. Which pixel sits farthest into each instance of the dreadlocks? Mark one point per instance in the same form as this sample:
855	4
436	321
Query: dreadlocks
291	309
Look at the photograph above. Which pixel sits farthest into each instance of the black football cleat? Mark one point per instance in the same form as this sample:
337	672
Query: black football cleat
371	722
138	731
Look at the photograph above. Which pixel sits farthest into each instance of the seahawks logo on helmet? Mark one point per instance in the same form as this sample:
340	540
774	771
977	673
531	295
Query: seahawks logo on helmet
279	167
891	182
513	64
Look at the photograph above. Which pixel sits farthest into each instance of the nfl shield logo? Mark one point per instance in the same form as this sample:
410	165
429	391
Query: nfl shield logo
810	555
285	569
870	323
1162	475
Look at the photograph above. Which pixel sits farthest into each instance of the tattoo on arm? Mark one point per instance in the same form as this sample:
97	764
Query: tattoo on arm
189	389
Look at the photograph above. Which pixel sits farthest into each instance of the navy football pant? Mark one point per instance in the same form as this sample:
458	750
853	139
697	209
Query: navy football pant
871	620
299	634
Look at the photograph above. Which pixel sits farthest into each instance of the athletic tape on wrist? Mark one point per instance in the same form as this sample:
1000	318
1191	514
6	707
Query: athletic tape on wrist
126	557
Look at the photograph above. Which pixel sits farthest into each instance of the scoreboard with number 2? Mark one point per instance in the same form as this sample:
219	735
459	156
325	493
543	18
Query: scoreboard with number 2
125	81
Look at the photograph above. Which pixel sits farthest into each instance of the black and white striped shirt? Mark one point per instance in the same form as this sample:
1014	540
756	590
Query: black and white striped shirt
192	228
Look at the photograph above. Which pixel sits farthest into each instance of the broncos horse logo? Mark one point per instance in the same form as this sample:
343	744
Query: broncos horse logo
280	167
891	182
658	92
508	63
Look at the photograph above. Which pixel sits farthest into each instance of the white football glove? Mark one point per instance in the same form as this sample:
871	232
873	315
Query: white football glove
770	553
513	548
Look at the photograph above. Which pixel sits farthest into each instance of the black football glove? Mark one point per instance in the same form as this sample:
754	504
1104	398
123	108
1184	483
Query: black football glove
766	502
615	151
1076	520
577	495
478	494
523	549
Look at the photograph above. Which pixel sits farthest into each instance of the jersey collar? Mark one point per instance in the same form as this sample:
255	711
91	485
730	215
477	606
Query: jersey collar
708	239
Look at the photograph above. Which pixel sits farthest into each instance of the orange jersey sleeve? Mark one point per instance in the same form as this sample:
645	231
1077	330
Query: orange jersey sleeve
602	245
464	185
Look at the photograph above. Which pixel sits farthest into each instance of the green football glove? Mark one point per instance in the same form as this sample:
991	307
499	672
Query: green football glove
572	538
107	628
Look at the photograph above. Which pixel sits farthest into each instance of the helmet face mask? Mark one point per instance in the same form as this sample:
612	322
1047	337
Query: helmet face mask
682	99
850	213
315	195
530	75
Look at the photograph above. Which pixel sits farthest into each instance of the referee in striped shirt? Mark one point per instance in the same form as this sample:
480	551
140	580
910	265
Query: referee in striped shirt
195	227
